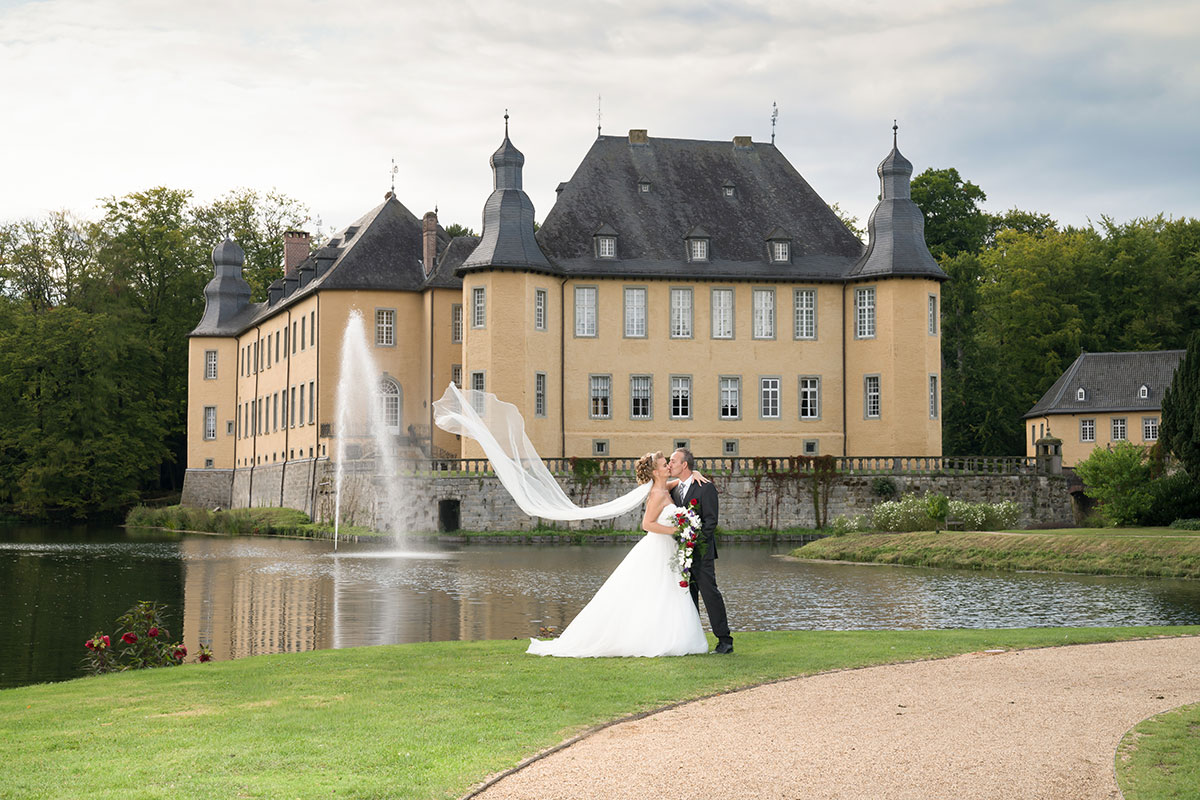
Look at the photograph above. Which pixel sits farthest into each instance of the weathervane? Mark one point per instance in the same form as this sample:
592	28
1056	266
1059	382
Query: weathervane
774	116
395	169
597	116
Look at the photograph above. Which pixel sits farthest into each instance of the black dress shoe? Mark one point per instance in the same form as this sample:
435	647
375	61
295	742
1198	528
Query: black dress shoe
723	648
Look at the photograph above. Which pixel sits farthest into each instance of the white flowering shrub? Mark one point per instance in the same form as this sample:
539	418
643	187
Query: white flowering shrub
1003	515
909	513
906	514
855	524
973	516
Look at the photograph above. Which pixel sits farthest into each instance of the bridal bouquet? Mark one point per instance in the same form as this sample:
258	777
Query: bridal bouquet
687	530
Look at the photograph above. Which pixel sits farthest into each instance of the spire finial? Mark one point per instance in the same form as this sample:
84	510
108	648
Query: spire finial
506	123
895	128
597	116
395	169
774	116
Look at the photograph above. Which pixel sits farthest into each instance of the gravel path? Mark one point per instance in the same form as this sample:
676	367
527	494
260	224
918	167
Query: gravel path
1029	724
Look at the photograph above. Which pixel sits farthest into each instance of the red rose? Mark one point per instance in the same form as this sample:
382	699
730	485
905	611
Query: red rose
129	638
180	652
152	632
694	502
106	640
89	644
683	584
205	657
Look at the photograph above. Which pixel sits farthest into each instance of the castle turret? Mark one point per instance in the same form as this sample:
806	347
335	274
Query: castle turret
227	294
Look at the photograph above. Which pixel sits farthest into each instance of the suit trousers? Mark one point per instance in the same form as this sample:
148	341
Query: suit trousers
704	584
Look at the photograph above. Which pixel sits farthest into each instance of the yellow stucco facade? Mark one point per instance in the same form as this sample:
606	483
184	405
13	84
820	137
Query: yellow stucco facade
1083	433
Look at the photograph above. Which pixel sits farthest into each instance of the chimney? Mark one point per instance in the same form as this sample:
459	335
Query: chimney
429	241
295	250
639	136
742	142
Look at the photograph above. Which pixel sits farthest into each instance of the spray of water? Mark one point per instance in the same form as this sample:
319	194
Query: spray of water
364	447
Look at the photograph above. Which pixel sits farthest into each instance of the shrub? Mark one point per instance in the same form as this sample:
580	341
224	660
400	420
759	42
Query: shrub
143	641
909	513
843	524
1118	478
912	513
1171	497
884	487
1002	515
1186	524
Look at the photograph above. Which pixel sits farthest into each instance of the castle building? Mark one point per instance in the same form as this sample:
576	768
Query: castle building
679	292
1102	399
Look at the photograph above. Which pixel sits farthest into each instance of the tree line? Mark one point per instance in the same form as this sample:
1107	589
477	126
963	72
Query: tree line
1026	296
94	317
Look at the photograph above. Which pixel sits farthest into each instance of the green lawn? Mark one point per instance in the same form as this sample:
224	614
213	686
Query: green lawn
405	721
1160	758
1146	552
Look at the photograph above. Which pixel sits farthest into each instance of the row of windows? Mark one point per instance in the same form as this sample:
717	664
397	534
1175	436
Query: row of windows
682	313
1143	393
267	414
729	447
258	354
1118	430
779	251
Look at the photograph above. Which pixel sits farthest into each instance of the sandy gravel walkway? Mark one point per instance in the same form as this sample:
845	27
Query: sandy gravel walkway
1027	724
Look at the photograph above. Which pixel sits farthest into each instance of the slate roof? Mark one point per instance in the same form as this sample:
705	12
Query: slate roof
1110	382
687	180
380	250
452	257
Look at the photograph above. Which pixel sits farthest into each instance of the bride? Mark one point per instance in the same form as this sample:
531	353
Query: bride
641	610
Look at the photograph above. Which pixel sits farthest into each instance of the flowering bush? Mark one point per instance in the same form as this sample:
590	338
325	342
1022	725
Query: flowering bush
911	513
143	643
842	524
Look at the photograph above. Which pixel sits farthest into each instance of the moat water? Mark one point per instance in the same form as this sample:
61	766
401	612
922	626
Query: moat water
248	596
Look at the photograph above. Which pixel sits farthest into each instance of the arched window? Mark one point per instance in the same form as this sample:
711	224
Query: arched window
389	404
1143	392
1081	395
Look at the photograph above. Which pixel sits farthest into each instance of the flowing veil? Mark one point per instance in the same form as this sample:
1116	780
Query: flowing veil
499	429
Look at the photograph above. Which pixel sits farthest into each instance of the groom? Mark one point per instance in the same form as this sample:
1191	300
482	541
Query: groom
704	568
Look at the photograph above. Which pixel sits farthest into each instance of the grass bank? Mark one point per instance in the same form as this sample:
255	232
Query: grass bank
1160	758
1142	552
412	721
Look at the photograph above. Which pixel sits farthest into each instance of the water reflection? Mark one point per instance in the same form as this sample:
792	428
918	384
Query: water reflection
249	596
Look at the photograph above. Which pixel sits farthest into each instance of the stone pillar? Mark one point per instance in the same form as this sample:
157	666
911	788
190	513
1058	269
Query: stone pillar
1049	456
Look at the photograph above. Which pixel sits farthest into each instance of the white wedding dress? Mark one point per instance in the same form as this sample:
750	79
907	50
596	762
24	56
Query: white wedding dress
641	610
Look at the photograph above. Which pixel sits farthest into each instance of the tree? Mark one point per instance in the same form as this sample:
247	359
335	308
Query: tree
455	230
1181	410
954	222
851	222
1119	478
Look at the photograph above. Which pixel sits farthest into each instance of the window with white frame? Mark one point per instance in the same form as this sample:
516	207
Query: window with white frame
768	398
1118	429
585	310
643	187
456	375
933	396
539	309
864	313
389	405
731	397
681	313
478	383
805	307
479	307
1150	429
1080	395
210	422
606	246
698	249
635	312
210	365
722	313
456	323
385	327
539	394
1087	430
600	393
764	313
810	397
640	389
933	315
781	252
871	397
1143	391
681	397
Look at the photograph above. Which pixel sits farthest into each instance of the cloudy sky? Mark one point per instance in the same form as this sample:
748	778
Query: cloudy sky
1078	109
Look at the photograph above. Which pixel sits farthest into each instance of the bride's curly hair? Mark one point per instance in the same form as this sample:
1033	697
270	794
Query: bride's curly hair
644	469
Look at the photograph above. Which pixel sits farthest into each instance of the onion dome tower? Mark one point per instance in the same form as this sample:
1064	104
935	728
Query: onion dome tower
227	294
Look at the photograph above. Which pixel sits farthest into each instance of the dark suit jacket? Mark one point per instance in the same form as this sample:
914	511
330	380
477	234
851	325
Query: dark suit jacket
706	494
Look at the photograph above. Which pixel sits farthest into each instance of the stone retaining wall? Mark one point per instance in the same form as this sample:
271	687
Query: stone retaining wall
747	501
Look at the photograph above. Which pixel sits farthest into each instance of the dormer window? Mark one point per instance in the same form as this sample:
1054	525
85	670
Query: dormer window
697	244
605	241
1080	395
643	187
1143	392
727	189
779	246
